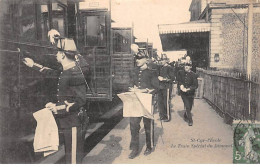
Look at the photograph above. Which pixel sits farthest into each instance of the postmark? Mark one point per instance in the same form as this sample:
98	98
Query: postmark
246	138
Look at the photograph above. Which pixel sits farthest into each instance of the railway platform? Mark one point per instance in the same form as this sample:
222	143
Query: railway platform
209	140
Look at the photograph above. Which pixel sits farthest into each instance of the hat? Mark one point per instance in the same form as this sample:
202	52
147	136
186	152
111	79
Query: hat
134	48
188	63
140	55
163	56
66	44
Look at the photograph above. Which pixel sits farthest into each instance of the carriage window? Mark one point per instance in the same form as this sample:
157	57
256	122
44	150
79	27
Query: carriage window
122	40
27	20
59	18
18	20
94	30
6	20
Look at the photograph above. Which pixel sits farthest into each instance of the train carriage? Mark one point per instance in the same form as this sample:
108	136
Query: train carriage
24	28
24	25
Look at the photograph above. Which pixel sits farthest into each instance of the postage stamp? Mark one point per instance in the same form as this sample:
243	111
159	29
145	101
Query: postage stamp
246	148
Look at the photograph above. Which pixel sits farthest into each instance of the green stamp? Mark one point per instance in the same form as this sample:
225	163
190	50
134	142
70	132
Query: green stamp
246	148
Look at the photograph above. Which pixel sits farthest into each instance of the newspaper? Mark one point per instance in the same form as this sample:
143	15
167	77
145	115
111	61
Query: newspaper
137	104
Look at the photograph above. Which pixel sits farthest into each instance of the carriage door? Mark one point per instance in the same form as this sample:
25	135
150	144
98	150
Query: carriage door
122	59
95	47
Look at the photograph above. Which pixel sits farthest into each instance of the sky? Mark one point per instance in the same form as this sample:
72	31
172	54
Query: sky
147	14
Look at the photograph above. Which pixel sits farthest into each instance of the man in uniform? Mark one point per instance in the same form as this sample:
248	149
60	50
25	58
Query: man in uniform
71	97
144	80
188	83
166	78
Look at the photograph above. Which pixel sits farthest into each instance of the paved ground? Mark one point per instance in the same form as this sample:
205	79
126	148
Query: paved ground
209	140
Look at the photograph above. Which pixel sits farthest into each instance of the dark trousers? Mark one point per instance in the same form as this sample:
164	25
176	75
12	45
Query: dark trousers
135	128
74	145
170	91
188	102
162	103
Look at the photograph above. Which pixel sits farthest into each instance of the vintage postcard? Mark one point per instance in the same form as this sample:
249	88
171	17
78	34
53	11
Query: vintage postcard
129	81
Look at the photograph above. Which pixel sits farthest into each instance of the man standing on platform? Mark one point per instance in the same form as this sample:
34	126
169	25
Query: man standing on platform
188	83
144	84
166	78
71	96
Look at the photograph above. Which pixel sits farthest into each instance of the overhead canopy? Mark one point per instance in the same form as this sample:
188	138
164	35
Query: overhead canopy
193	26
192	37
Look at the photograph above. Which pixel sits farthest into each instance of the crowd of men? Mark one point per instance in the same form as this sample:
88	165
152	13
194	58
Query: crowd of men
168	74
152	79
156	77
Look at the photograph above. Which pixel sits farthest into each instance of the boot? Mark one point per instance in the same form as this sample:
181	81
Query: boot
133	154
190	122
147	151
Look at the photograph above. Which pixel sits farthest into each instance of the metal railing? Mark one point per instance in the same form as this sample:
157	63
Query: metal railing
229	93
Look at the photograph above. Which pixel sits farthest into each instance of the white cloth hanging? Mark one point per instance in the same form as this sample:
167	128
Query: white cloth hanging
46	137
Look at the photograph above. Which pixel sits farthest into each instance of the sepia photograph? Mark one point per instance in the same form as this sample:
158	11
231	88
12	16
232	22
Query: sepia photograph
129	82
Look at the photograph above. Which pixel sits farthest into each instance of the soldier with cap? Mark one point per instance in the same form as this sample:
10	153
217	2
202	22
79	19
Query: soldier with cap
188	83
144	80
71	95
166	78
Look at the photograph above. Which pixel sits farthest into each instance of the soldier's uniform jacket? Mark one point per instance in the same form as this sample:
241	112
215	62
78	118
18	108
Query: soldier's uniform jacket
166	71
144	78
71	88
188	80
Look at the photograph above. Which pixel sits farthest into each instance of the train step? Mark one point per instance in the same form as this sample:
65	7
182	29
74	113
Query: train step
112	111
92	128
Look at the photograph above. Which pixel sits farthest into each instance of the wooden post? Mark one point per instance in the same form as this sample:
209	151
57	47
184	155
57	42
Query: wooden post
132	42
152	51
111	44
249	54
250	38
132	35
147	53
